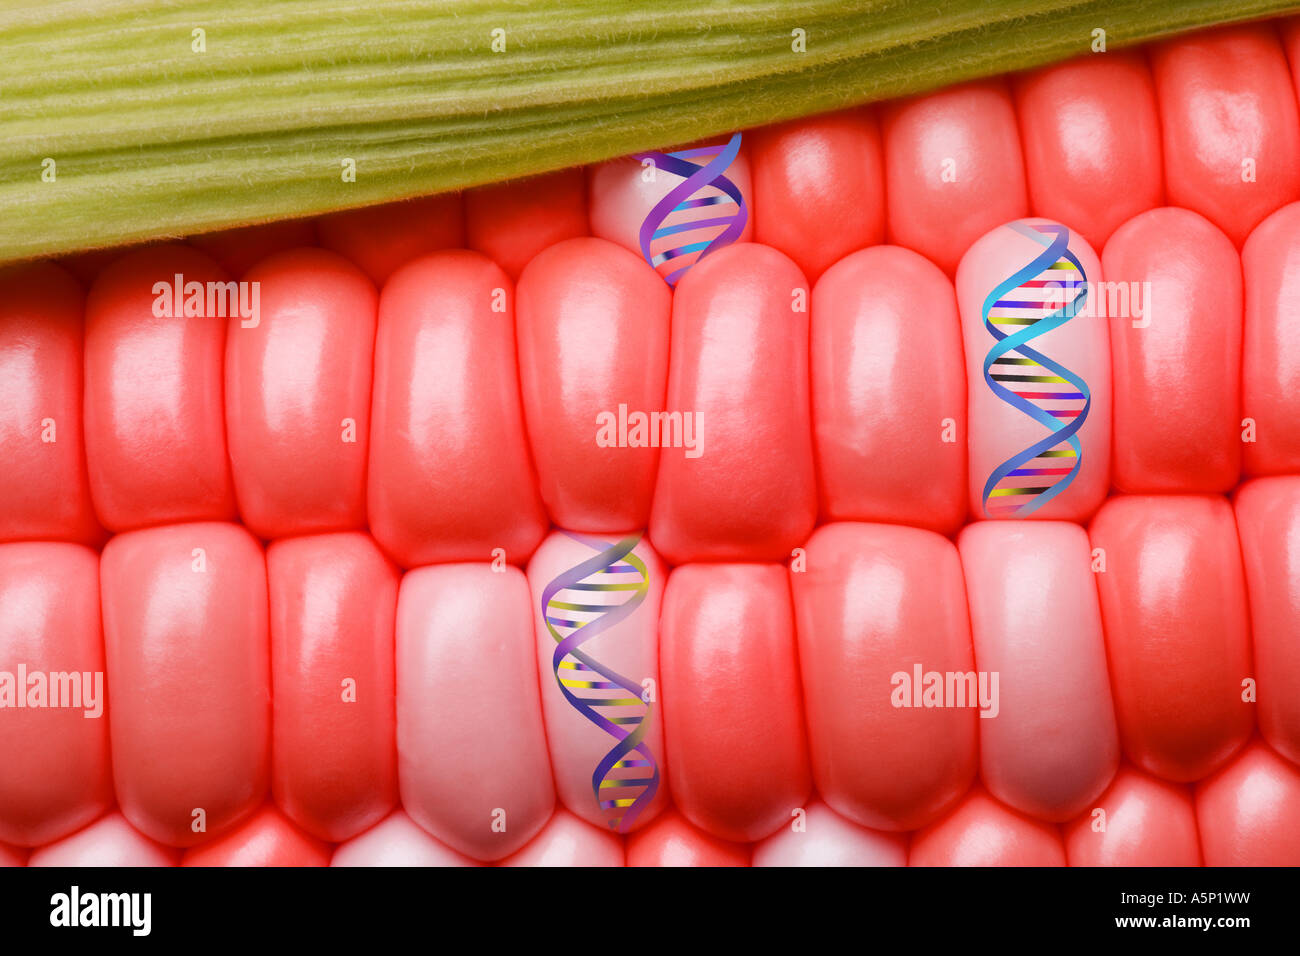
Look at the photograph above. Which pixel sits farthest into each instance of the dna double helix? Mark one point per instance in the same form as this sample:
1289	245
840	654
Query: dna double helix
1043	295
703	185
582	602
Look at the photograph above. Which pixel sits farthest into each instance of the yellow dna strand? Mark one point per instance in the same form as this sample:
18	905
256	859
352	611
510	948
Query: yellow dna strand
577	605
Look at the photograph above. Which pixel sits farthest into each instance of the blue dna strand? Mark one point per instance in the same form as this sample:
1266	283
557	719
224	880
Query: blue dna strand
582	602
703	185
1043	295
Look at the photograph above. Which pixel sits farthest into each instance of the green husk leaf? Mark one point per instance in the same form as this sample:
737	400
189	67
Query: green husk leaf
151	139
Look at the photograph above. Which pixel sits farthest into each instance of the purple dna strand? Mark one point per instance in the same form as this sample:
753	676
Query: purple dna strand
702	185
1042	295
582	602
